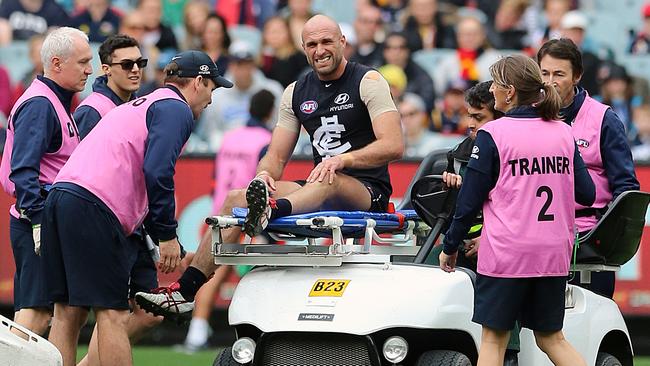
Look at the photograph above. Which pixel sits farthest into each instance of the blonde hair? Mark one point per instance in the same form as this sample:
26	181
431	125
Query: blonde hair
523	74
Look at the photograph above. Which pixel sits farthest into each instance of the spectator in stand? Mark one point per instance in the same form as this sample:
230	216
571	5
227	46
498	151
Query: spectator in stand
215	40
554	11
641	40
616	91
396	79
446	118
424	28
418	140
281	60
164	58
195	15
21	19
232	110
252	13
573	26
367	25
508	30
392	12
133	26
156	33
396	52
297	12
472	59
98	20
641	150
35	44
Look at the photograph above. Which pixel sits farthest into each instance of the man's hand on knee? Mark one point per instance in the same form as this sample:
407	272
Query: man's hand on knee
170	255
326	169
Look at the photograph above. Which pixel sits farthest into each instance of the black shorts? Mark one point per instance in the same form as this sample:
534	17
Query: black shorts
378	199
29	290
537	302
88	258
144	276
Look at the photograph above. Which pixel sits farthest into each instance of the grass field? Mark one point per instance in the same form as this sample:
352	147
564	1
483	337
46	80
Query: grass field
157	356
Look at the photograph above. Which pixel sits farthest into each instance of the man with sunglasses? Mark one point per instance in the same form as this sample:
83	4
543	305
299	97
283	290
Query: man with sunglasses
122	65
121	175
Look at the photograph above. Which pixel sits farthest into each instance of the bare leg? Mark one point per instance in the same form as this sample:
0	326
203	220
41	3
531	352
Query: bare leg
203	260
197	335
345	193
112	338
558	349
37	320
66	324
493	347
138	324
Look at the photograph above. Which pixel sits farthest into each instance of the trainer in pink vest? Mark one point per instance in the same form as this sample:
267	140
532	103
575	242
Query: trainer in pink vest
236	161
99	102
586	130
51	163
109	163
528	226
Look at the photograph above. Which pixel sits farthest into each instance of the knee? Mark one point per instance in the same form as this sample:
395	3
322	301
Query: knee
112	316
546	341
70	315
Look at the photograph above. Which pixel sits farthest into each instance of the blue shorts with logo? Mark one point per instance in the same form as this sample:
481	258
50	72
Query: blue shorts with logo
88	258
29	290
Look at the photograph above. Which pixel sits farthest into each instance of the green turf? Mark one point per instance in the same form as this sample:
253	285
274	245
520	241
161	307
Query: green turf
156	356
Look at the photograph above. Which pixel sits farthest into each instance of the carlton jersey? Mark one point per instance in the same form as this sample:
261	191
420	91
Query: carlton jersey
337	115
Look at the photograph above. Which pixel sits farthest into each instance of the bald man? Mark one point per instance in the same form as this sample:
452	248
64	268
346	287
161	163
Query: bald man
355	132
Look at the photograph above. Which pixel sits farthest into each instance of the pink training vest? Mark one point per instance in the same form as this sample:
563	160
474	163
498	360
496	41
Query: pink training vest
236	161
586	130
109	163
529	214
51	163
99	102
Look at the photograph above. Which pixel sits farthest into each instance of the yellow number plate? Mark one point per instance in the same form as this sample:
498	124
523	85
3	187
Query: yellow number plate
328	288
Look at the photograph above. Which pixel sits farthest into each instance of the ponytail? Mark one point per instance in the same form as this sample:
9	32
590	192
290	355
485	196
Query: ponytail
550	103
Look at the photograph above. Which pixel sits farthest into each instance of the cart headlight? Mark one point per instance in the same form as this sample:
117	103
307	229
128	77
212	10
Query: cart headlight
395	349
243	350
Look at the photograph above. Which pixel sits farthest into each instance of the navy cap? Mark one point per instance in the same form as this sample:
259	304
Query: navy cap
194	63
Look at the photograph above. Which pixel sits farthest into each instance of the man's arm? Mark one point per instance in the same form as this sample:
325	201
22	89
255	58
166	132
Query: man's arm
6	34
34	128
283	140
389	145
616	155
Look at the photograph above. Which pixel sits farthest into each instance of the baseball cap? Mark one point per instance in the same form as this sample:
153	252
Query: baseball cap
241	51
194	63
457	86
574	19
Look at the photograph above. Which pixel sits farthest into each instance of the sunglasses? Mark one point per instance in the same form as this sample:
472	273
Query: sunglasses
127	65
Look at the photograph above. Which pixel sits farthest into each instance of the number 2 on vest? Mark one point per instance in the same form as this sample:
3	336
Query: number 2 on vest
543	215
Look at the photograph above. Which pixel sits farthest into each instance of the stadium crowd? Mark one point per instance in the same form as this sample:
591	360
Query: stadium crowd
440	47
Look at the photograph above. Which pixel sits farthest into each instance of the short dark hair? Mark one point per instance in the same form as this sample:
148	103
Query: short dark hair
113	43
563	49
262	104
479	95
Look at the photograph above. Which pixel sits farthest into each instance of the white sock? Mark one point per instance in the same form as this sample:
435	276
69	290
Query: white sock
197	335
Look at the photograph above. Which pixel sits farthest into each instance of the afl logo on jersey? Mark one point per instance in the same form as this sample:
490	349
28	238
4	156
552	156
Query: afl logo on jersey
582	143
342	98
309	106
